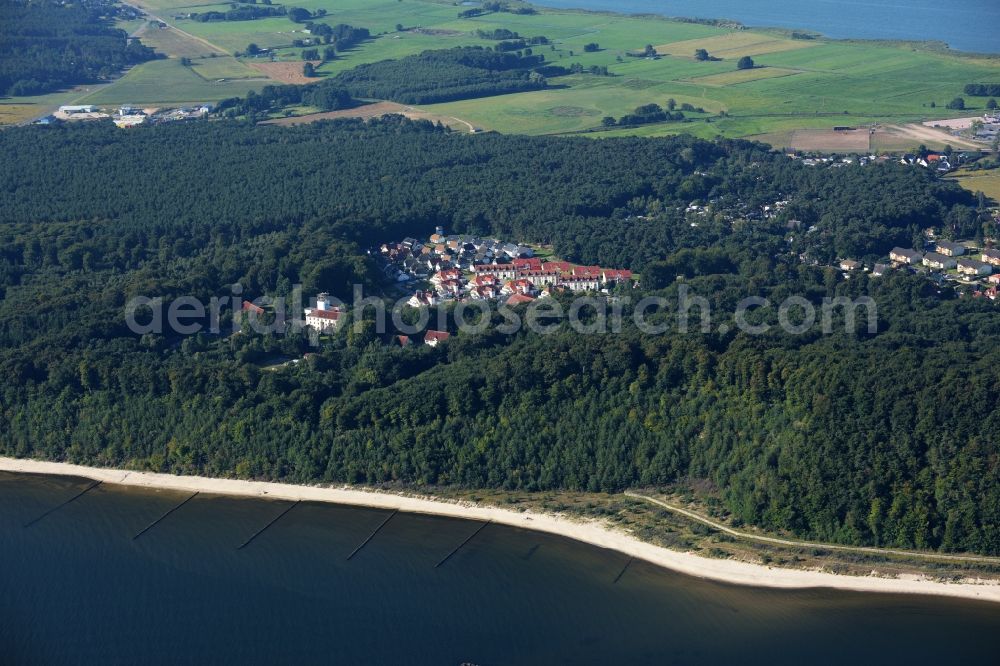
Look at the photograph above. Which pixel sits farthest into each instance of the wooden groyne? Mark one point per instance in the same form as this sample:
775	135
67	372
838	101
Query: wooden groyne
622	572
372	535
459	546
62	504
269	524
161	518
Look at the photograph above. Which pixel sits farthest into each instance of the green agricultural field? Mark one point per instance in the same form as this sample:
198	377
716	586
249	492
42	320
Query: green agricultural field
222	67
799	84
734	45
168	82
743	76
171	42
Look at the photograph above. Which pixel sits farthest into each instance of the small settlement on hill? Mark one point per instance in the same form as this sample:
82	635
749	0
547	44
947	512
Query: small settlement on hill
459	268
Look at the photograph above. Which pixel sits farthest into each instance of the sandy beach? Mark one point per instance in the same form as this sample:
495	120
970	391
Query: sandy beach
591	532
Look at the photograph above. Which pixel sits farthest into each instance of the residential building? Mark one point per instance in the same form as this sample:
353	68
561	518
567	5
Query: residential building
849	265
939	261
950	249
502	271
904	256
974	267
325	316
249	307
433	338
447	275
616	275
422	299
541	278
581	283
323	321
992	257
518	299
558	266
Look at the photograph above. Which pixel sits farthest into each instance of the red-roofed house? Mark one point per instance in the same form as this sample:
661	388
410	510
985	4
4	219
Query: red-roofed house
402	340
323	320
541	278
588	271
519	286
446	276
532	264
250	307
484	281
616	275
581	283
518	299
453	287
485	293
502	271
432	338
422	299
558	266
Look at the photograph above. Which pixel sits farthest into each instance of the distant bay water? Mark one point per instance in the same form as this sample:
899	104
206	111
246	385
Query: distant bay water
965	25
84	581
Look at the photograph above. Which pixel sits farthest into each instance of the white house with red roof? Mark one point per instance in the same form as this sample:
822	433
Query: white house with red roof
433	338
529	264
541	278
502	271
324	317
610	275
422	299
558	266
582	282
588	271
446	275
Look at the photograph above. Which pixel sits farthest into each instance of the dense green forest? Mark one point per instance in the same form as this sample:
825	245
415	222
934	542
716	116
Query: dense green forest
46	45
881	437
443	75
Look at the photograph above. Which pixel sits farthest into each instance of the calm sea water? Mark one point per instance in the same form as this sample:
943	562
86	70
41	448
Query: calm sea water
76	588
966	25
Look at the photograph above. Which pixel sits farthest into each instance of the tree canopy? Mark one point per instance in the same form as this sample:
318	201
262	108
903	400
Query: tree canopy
860	437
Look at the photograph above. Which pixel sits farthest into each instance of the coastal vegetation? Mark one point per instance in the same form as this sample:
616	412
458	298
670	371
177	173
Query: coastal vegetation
841	437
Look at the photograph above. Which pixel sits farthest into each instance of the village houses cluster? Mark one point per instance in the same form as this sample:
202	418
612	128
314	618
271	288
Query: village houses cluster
462	268
459	268
969	264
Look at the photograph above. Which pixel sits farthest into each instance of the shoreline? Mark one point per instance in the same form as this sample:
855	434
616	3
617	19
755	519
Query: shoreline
589	532
930	45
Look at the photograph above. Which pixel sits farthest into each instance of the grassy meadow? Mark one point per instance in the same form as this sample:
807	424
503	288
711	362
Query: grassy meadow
797	84
987	182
